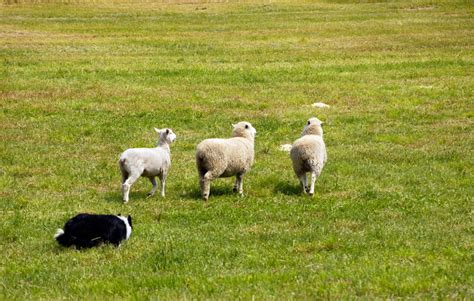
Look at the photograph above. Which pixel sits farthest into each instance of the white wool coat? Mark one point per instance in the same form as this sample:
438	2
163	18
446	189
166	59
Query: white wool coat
308	153
154	161
227	157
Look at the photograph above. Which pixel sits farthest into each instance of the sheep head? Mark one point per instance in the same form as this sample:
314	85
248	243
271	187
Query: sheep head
166	135
244	129
313	127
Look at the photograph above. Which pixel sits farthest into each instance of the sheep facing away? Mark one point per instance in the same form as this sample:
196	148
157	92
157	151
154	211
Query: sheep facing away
308	154
219	158
147	162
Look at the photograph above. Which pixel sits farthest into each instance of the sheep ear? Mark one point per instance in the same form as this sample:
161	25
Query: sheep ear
233	125
157	130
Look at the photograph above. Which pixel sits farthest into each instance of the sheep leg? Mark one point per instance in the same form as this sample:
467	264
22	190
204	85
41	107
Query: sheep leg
124	176
205	183
313	179
205	188
153	182
238	186
127	184
163	184
303	182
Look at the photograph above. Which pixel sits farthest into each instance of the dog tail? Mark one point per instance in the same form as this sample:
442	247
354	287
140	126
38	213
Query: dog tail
63	238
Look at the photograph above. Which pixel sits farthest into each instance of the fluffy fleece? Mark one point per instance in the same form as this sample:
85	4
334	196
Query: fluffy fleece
147	162
308	154
218	158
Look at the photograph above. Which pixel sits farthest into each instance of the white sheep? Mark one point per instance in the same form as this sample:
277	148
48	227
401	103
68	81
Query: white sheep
219	158
147	162
308	154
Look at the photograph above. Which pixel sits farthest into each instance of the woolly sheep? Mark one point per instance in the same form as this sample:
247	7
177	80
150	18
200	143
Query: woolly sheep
147	162
308	154
219	158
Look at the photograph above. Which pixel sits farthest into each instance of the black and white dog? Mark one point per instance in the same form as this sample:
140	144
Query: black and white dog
89	230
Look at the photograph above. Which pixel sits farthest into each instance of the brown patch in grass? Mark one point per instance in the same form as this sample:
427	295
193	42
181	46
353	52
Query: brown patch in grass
315	247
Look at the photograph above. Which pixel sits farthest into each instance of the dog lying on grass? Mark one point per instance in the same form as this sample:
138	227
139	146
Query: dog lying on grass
90	230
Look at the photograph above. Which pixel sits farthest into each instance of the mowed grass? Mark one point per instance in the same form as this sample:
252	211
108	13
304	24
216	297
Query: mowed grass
392	213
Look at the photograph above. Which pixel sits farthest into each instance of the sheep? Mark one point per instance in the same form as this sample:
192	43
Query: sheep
308	154
147	162
219	158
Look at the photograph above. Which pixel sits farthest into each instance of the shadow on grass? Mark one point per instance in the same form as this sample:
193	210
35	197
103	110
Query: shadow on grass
191	194
116	197
287	188
195	194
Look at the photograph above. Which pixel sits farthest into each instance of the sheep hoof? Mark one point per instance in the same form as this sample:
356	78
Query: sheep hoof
234	189
311	194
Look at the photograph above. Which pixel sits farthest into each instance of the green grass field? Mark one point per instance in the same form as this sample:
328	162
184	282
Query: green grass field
392	214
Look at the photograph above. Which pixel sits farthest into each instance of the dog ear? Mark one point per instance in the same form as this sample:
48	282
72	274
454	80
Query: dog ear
129	218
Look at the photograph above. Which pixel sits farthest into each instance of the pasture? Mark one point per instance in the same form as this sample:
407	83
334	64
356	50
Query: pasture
392	213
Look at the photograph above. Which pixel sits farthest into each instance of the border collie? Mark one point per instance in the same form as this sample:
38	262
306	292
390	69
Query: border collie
89	230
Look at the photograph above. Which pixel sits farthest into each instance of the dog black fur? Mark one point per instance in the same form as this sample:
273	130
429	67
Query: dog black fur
89	230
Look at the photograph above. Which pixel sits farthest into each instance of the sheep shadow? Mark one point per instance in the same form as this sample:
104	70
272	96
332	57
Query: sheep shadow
195	193
116	197
287	188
